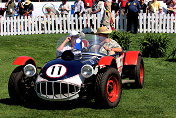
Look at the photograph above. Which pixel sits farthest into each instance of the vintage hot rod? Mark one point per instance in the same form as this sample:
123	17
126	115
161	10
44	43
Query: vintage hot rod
74	74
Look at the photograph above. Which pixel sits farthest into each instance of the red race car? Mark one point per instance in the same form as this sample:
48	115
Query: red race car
77	73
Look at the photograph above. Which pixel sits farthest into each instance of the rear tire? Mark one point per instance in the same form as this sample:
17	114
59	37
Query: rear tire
108	88
138	73
21	89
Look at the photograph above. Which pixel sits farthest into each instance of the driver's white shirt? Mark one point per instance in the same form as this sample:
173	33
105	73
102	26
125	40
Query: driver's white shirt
67	47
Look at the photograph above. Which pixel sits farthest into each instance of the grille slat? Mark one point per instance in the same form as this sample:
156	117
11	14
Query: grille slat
40	88
68	89
53	89
60	91
46	89
56	90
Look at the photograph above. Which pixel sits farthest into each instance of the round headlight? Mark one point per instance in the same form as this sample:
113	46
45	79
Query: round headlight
87	71
29	70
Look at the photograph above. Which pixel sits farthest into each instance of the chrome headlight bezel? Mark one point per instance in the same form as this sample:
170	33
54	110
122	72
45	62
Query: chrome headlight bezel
87	71
29	70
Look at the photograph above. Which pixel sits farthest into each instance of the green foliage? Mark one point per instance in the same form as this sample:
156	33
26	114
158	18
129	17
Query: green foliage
123	38
154	45
172	55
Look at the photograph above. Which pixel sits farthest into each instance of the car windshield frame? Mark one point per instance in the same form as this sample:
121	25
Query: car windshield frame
95	42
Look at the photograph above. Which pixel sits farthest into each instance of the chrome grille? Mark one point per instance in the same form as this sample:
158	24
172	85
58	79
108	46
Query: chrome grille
56	90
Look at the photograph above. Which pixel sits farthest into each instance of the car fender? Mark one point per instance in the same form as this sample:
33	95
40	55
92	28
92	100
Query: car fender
131	57
21	60
107	60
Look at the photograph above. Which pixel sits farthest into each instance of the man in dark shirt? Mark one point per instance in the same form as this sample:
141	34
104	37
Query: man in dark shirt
28	8
143	7
132	9
115	7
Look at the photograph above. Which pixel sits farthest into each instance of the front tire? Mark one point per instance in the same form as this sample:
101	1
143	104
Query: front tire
108	88
21	88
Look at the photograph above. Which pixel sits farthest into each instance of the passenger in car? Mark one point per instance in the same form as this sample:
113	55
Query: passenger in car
110	46
75	42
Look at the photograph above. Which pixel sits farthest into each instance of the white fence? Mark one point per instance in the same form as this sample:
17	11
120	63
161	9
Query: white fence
62	24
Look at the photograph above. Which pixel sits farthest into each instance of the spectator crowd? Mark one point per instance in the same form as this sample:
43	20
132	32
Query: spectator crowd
106	8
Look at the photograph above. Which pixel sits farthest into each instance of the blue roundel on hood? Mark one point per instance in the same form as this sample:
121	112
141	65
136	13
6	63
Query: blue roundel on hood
60	69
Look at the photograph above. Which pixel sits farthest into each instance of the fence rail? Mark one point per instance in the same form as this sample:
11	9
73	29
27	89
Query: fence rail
62	24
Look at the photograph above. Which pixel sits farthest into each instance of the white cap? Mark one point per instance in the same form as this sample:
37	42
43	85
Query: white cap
160	7
73	33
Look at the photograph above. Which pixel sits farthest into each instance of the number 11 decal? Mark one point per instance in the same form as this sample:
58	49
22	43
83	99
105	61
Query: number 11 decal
56	70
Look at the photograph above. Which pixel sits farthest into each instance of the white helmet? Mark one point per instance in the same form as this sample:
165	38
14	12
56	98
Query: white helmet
74	33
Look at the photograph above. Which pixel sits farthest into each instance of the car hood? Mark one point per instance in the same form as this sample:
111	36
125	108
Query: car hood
60	69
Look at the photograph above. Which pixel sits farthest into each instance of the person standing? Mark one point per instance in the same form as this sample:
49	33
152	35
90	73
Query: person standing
10	8
97	7
132	10
20	8
115	7
122	6
107	19
64	8
78	7
143	7
161	11
28	8
154	6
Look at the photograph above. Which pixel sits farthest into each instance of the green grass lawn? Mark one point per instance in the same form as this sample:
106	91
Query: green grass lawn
157	98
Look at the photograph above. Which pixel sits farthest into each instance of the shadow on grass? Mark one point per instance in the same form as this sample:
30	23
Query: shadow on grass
40	104
46	105
171	60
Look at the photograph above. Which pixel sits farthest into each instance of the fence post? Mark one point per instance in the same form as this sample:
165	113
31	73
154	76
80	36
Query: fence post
99	21
76	19
68	23
64	20
36	25
80	23
84	22
94	22
11	27
2	21
175	24
160	22
168	23
144	21
48	24
140	22
25	25
53	22
60	19
164	23
8	23
117	23
171	31
153	23
148	24
156	23
72	23
57	23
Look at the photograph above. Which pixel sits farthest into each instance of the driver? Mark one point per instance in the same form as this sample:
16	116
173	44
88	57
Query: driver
110	46
74	42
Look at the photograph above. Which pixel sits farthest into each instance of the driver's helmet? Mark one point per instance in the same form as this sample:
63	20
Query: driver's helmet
76	40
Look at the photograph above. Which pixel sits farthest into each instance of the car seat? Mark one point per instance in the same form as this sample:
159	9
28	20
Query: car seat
85	43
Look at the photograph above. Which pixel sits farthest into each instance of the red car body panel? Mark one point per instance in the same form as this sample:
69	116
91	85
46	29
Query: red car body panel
106	60
21	60
131	57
